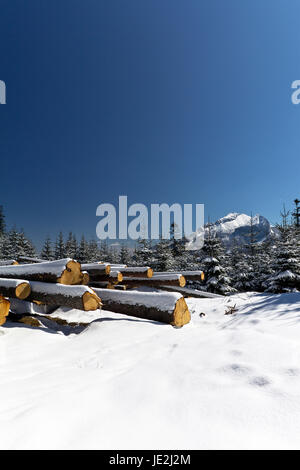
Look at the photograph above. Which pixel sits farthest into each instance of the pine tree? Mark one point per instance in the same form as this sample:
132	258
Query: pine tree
217	279
162	258
93	251
83	251
10	247
143	252
286	263
125	257
47	252
59	250
71	246
25	246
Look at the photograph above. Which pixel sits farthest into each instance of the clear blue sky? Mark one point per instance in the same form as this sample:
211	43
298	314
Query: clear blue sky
165	101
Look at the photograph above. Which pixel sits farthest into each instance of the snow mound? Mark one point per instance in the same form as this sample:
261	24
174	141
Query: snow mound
220	382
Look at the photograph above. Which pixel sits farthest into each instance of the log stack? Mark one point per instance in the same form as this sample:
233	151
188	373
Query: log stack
68	283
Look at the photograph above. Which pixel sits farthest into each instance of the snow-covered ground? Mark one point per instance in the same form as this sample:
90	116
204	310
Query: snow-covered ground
220	382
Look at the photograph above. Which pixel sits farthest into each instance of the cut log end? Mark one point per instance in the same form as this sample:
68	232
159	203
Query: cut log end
23	290
181	315
182	281
4	309
91	301
72	274
85	279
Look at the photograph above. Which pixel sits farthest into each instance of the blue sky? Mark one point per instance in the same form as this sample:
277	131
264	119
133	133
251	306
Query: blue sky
163	101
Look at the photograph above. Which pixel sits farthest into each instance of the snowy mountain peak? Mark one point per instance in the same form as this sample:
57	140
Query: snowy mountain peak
235	226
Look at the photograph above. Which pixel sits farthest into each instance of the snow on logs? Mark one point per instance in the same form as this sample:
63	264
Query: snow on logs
113	278
164	307
96	268
188	275
8	262
144	271
64	271
4	309
78	297
16	288
168	279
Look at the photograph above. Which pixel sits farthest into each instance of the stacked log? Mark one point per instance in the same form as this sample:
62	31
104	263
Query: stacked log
4	309
96	268
8	262
170	279
114	277
188	275
16	288
168	308
144	271
64	271
79	297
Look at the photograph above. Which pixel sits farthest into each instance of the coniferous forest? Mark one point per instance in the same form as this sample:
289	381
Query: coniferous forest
272	265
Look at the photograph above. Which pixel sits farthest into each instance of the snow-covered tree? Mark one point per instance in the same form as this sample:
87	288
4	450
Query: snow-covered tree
70	248
286	263
59	250
83	251
217	279
143	254
47	252
125	256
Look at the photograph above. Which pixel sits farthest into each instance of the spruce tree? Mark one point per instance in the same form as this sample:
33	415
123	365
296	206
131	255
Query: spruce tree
59	250
47	252
286	263
125	257
83	251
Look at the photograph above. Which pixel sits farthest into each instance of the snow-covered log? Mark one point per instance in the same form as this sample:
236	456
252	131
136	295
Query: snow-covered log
171	279
64	271
4	309
189	275
85	278
163	307
113	278
79	297
96	268
27	259
23	307
17	288
8	262
143	271
186	292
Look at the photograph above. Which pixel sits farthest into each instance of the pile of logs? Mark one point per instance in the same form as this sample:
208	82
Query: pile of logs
66	282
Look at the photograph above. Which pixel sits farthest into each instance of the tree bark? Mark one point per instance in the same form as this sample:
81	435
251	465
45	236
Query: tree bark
171	280
168	308
189	275
8	262
16	288
4	309
65	271
144	271
79	297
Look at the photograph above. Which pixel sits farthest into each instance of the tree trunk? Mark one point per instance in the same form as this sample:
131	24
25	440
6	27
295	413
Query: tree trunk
79	297
16	288
4	309
113	278
64	271
96	268
189	275
170	280
163	307
144	271
8	262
